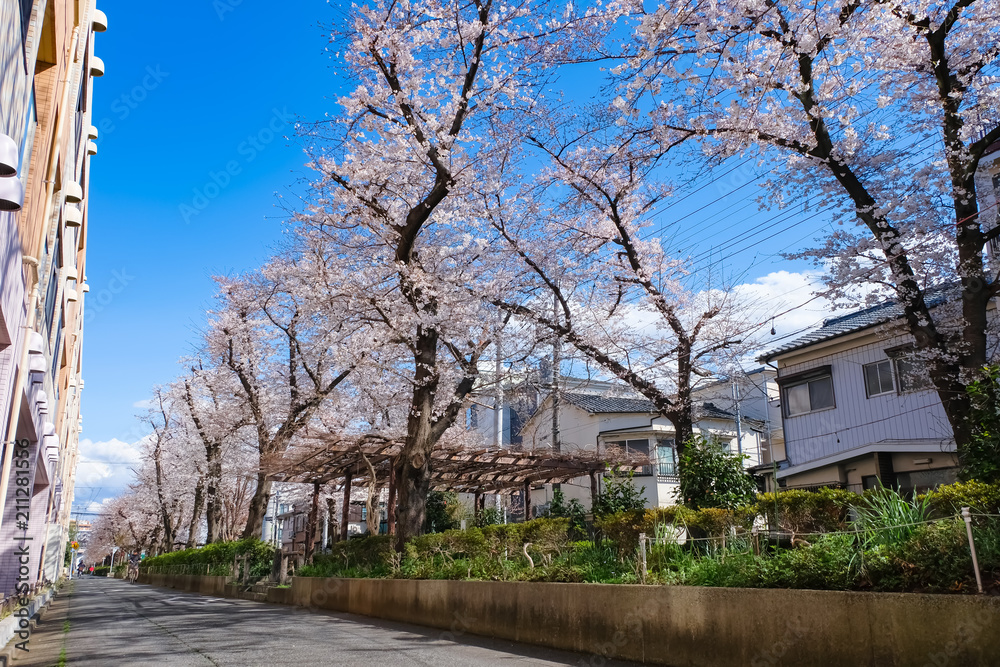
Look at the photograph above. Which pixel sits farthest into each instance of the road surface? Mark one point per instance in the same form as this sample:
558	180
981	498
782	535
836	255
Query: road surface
102	622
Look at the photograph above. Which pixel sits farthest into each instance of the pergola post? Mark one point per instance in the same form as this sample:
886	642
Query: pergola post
345	515
527	500
478	505
390	510
594	489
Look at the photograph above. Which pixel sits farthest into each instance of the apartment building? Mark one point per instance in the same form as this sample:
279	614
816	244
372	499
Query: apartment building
46	144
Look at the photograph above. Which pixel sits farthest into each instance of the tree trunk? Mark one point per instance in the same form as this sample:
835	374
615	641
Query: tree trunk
213	504
168	530
195	525
413	486
415	460
258	507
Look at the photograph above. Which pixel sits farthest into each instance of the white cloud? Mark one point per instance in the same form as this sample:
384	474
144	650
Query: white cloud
787	297
105	469
144	404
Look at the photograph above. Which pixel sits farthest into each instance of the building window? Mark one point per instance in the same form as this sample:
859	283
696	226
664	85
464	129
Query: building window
635	448
26	7
809	396
878	378
912	375
666	458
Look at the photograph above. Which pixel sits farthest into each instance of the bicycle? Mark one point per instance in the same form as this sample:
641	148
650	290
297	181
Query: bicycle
133	574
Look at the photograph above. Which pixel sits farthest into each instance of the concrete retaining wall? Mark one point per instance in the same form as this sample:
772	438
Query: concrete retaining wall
188	582
677	625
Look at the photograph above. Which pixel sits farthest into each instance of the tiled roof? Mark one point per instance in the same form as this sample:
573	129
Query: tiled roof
859	320
605	404
611	404
710	410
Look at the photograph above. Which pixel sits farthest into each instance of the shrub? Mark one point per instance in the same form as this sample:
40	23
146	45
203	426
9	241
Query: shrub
444	512
217	558
623	529
936	557
573	510
828	564
619	495
949	500
712	477
102	570
489	516
980	458
807	512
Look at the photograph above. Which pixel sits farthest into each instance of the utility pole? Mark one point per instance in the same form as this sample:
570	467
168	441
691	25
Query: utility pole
556	359
498	408
739	424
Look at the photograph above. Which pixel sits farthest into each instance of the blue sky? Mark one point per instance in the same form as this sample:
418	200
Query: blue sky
196	114
191	88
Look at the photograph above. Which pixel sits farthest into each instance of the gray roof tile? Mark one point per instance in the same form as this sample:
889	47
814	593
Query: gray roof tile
859	320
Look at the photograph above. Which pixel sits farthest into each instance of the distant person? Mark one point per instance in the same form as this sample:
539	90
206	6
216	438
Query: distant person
133	566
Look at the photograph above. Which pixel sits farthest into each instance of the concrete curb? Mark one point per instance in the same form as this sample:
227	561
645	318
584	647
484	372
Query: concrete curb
9	626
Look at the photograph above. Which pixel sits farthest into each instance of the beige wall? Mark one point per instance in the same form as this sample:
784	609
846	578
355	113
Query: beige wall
671	625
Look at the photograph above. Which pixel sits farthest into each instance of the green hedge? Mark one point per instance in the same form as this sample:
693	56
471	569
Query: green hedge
949	500
491	552
216	558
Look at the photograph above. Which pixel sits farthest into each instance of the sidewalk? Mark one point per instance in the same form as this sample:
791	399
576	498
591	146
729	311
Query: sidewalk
48	639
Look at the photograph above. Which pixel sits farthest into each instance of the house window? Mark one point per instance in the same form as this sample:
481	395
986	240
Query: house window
878	378
635	448
666	458
809	396
912	375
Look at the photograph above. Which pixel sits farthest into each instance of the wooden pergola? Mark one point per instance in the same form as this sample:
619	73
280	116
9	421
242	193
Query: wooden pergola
464	469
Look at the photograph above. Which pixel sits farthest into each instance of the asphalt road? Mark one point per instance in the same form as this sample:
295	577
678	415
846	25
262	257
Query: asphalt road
109	623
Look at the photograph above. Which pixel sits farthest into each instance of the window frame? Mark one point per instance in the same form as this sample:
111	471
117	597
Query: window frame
892	378
805	378
901	355
666	444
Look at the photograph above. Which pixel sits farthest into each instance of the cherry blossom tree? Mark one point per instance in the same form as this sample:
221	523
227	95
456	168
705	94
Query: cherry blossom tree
882	107
400	169
212	403
586	264
289	345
